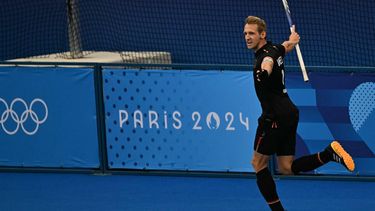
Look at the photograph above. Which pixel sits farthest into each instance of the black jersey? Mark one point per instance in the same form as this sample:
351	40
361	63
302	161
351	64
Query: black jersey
272	93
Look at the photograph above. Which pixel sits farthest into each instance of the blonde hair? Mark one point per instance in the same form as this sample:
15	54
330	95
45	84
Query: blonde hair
262	27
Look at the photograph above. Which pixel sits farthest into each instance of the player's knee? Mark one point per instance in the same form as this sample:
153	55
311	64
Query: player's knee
258	164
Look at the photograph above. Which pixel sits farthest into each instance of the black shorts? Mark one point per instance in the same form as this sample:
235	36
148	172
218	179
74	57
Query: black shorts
276	137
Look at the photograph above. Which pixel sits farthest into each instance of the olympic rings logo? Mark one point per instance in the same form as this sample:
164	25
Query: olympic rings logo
9	114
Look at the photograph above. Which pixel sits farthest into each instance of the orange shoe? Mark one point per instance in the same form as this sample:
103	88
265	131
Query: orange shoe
339	155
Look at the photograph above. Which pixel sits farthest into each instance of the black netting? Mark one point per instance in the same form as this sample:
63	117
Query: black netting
333	33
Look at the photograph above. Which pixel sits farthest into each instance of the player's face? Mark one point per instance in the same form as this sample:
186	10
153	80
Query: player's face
252	36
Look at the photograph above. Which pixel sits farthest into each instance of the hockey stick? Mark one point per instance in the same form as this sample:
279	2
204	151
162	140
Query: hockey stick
299	54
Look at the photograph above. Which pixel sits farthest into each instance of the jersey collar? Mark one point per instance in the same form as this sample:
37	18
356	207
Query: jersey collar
258	52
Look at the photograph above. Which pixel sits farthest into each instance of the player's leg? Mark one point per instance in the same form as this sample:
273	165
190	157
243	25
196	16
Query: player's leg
309	162
263	148
265	182
333	152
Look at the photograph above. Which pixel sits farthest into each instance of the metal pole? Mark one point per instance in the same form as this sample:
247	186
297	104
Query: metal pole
73	30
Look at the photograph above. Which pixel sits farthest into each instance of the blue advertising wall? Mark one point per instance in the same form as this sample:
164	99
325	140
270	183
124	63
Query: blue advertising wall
206	120
48	117
173	119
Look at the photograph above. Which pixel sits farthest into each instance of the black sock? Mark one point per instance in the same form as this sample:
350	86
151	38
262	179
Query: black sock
277	206
310	162
267	187
326	156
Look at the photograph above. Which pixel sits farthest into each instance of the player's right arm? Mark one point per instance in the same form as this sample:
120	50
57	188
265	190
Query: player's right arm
266	69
